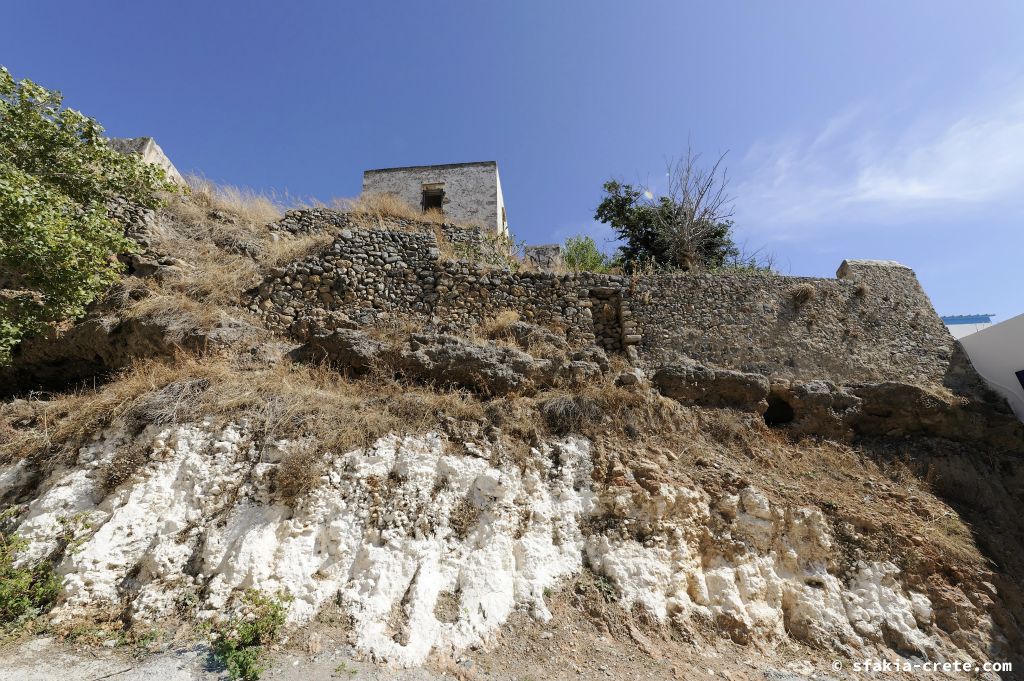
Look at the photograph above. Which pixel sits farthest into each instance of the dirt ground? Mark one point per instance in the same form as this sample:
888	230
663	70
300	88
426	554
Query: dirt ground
46	659
587	638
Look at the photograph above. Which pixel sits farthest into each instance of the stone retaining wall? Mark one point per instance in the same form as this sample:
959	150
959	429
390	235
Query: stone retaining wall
471	243
872	323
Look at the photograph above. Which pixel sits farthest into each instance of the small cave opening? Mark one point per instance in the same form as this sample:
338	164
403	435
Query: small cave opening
779	412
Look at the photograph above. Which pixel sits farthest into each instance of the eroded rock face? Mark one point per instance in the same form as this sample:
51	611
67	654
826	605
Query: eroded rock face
406	524
102	344
819	408
899	409
757	570
92	347
705	386
824	409
348	348
492	369
488	368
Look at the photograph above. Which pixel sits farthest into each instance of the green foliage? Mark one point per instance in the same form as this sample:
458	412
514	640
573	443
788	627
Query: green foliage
581	254
606	587
26	591
636	222
57	243
239	644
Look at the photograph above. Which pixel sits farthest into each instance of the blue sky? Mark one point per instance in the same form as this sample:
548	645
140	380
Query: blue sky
868	129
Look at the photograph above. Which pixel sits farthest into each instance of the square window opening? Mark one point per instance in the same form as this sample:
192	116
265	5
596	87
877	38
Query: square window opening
433	199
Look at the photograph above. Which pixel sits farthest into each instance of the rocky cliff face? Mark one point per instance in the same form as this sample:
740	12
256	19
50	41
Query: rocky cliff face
429	549
424	490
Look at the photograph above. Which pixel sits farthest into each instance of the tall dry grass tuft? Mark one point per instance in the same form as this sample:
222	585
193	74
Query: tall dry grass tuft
496	326
299	247
379	206
253	206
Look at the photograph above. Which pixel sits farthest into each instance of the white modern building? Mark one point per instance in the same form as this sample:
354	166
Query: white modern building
997	353
465	192
961	325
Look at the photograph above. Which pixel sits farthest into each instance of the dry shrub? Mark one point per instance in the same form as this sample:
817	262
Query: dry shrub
464	517
801	294
603	409
179	316
298	473
447	606
124	464
566	414
172	403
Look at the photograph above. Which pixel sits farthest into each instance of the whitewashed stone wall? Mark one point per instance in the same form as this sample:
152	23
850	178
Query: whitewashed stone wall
472	191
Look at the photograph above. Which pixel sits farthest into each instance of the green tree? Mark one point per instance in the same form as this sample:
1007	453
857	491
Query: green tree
689	227
581	254
58	246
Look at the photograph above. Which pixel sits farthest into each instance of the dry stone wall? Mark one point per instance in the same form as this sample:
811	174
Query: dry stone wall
872	323
466	242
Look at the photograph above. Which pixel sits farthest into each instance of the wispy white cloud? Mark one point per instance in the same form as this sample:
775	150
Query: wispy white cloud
864	165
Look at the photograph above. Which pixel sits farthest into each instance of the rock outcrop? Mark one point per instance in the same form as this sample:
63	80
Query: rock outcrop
824	409
693	383
485	367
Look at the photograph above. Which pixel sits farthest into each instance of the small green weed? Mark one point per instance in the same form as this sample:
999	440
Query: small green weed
238	645
606	587
26	591
343	669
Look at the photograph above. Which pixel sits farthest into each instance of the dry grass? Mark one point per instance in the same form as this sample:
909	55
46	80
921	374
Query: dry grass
286	401
801	294
496	326
177	312
379	207
252	206
286	250
221	245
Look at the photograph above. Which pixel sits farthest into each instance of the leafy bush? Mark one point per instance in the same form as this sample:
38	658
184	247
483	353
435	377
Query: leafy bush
57	243
26	591
649	228
239	645
581	254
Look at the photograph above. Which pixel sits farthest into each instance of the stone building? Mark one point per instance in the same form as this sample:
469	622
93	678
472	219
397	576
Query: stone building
150	151
464	192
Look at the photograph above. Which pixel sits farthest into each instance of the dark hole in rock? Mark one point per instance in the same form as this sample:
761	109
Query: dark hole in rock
779	413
